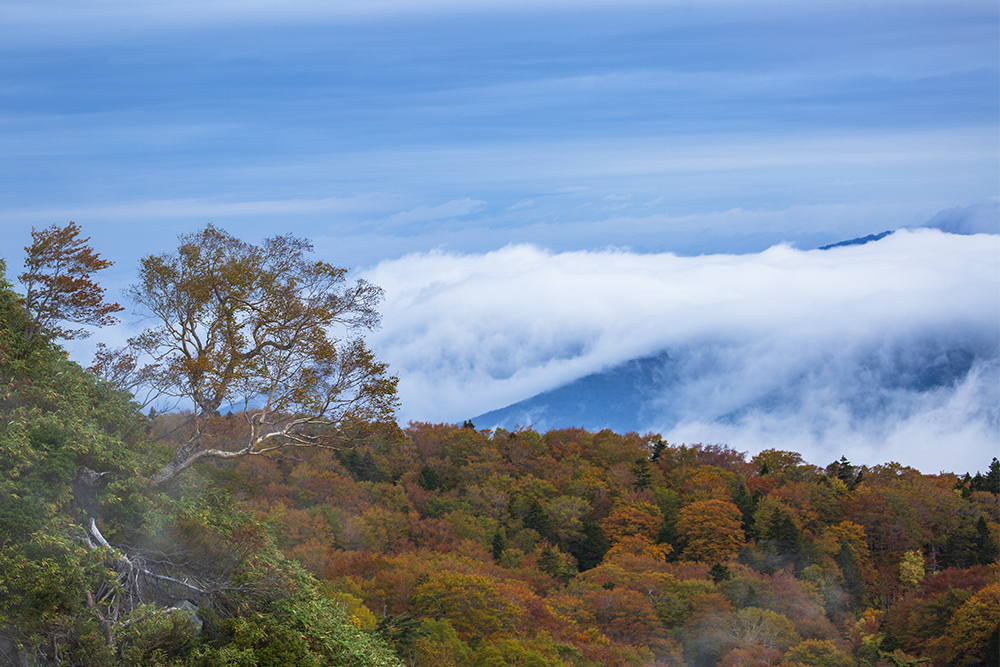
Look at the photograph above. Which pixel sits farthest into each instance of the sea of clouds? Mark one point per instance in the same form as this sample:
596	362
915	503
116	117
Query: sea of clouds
883	351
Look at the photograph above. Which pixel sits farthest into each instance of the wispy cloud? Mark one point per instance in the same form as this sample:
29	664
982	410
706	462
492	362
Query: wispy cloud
203	209
983	218
452	209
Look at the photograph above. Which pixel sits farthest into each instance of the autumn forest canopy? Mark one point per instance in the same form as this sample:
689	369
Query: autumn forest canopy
231	488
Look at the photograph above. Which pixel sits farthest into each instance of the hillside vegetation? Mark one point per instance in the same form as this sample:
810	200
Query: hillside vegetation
184	576
471	547
311	530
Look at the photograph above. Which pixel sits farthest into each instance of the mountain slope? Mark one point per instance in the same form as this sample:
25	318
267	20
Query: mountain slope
867	393
618	399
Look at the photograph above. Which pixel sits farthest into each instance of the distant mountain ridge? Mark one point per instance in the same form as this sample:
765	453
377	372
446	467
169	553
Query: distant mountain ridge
861	240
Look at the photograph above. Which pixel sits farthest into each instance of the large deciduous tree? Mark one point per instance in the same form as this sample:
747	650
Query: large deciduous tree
265	331
58	288
712	531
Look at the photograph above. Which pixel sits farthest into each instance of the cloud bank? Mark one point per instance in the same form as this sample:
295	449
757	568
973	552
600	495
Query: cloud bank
886	351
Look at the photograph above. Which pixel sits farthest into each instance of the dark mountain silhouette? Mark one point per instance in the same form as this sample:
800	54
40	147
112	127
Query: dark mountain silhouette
861	240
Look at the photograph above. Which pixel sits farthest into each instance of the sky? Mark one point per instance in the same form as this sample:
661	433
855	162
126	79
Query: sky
614	141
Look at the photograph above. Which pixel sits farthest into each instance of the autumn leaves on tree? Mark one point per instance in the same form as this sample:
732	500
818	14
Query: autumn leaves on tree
249	328
239	327
58	285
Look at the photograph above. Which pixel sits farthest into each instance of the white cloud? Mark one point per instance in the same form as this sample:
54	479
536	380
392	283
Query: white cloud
472	333
952	428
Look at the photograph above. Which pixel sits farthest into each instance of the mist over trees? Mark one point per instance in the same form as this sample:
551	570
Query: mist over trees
316	531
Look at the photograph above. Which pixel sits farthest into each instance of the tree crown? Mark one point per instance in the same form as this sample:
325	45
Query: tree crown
253	327
58	287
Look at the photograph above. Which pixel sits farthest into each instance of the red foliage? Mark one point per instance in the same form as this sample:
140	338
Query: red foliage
723	456
970	578
567	442
624	615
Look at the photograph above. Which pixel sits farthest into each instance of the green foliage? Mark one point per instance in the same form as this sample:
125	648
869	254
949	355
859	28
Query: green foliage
643	474
990	482
429	479
911	568
240	323
475	568
555	563
304	633
985	545
592	547
512	653
818	653
537	520
499	543
719	573
440	646
73	451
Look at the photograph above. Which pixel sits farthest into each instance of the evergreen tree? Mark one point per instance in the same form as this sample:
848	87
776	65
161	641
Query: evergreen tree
719	573
642	474
429	478
499	543
537	519
986	548
989	482
845	472
75	466
590	551
748	506
658	446
993	477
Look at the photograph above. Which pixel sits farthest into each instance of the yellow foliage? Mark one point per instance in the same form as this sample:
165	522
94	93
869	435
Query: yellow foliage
974	622
639	545
634	519
911	568
712	530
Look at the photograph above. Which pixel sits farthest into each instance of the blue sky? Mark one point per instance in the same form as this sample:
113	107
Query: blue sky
454	129
685	127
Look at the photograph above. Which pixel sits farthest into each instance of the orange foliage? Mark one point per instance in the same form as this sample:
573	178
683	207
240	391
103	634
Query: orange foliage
712	530
58	266
797	499
639	545
750	656
624	615
708	483
642	519
424	537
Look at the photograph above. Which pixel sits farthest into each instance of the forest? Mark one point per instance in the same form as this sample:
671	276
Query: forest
304	526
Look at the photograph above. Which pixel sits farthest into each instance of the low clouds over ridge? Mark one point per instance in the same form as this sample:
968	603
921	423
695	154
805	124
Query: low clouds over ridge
814	330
